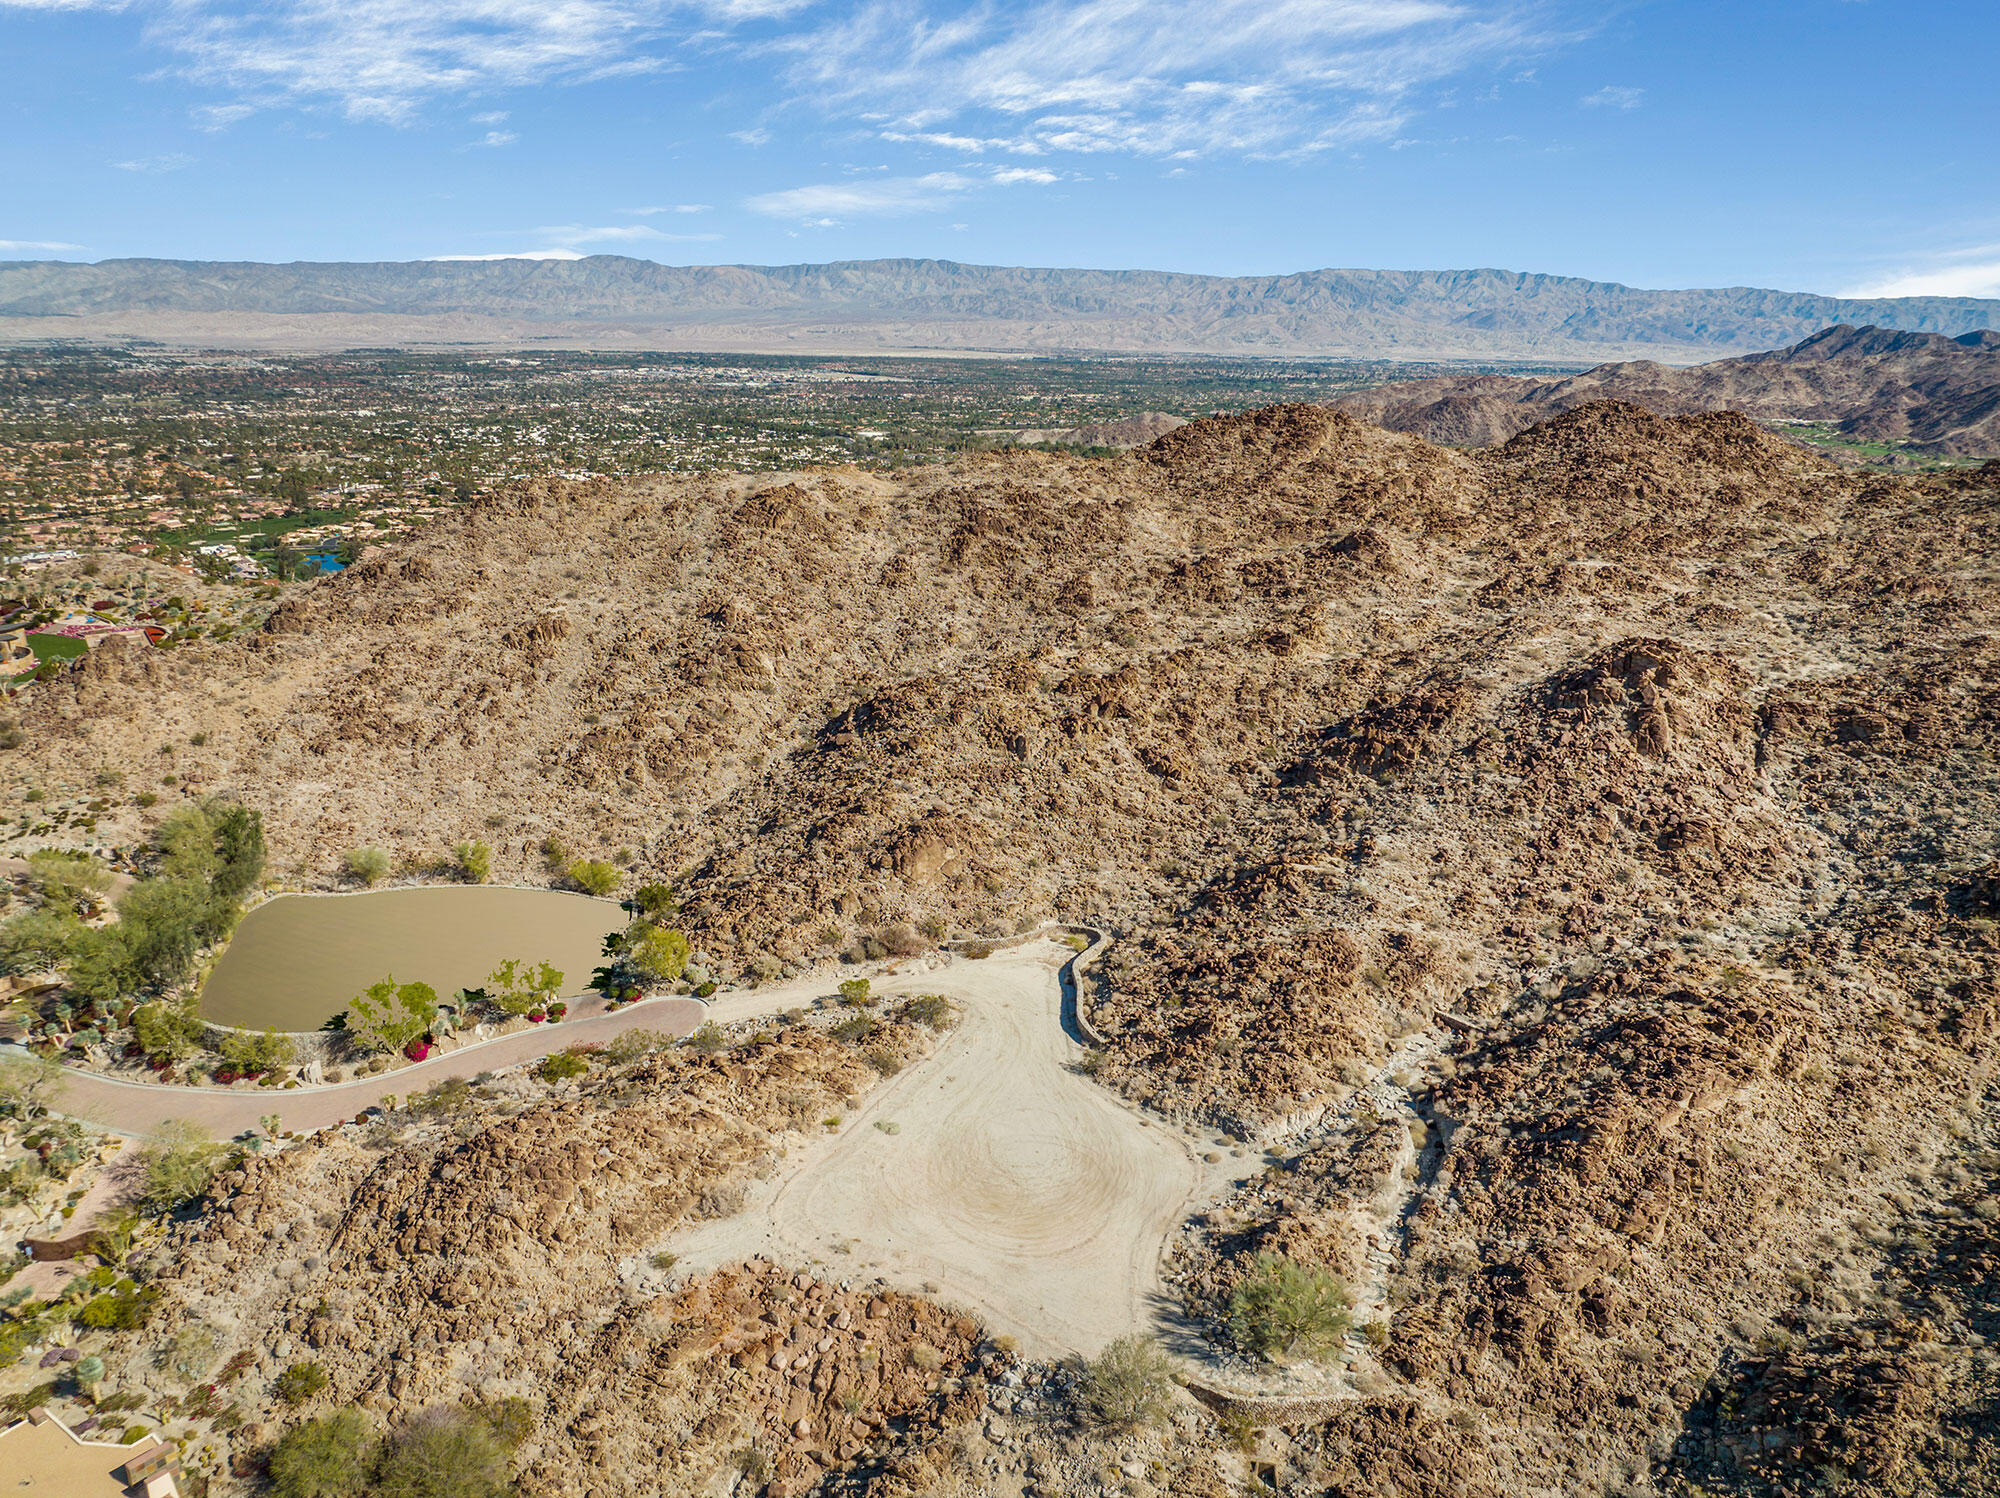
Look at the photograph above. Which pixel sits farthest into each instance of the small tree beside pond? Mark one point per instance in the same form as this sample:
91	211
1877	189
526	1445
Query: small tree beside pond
369	866
473	861
387	1016
515	988
177	1166
595	877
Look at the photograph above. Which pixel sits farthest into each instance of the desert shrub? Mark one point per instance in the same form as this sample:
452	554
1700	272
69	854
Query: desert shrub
885	1061
632	1044
29	1086
854	991
561	1066
447	1099
122	1310
254	1054
932	1010
169	1029
979	951
594	877
387	1016
177	1166
299	1382
473	860
655	899
708	1039
1282	1307
1129	1384
555	853
442	1453
855	1028
900	941
325	1458
511	1419
934	926
368	865
926	1357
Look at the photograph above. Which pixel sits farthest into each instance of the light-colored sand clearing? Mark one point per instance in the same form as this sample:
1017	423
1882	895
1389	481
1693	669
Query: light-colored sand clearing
1012	1184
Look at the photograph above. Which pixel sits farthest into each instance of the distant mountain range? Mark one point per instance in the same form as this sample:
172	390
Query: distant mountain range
1940	395
609	301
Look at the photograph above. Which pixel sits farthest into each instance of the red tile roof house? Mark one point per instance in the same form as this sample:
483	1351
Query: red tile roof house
43	1456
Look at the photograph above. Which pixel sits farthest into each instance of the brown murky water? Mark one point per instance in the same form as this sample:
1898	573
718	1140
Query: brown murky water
297	960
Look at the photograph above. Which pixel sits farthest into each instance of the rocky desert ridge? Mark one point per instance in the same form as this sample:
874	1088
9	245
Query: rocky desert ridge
1572	863
1933	394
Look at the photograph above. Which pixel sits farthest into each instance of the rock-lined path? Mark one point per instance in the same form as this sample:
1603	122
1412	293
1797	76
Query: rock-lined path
141	1107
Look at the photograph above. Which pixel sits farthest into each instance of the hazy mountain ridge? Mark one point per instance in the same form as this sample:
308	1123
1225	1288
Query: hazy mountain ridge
915	303
1936	393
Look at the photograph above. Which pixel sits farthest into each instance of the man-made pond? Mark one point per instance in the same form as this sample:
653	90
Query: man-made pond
297	960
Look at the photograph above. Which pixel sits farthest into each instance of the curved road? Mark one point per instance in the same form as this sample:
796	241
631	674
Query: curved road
141	1107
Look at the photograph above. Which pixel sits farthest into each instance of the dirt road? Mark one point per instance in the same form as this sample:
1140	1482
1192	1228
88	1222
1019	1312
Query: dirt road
1010	1183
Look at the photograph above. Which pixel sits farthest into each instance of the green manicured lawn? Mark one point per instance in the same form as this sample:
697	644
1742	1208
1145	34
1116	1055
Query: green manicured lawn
56	647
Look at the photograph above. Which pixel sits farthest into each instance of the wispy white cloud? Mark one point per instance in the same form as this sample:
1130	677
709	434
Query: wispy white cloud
380	59
62	4
493	117
1974	271
37	244
824	204
578	234
1614	96
1152	77
756	137
494	138
172	161
673	208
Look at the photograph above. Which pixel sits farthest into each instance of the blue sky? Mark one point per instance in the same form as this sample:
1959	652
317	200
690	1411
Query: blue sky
1830	145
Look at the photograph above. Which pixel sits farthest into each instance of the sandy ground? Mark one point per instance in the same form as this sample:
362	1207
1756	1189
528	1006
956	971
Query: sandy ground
1012	1184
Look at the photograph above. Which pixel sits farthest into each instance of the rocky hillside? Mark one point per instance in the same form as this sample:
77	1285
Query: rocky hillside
1932	393
1574	858
610	301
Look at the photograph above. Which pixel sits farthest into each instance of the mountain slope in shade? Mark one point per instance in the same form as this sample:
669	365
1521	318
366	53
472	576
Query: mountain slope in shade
1938	394
613	301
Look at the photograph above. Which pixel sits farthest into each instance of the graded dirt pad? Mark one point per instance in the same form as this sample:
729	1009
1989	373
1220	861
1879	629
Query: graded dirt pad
1015	1185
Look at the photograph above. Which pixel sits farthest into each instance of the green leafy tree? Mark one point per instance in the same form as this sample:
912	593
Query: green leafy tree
474	861
443	1453
177	1166
256	1053
388	1016
658	953
325	1458
594	877
368	865
1282	1308
1130	1384
169	1028
67	879
36	940
655	899
29	1087
516	988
